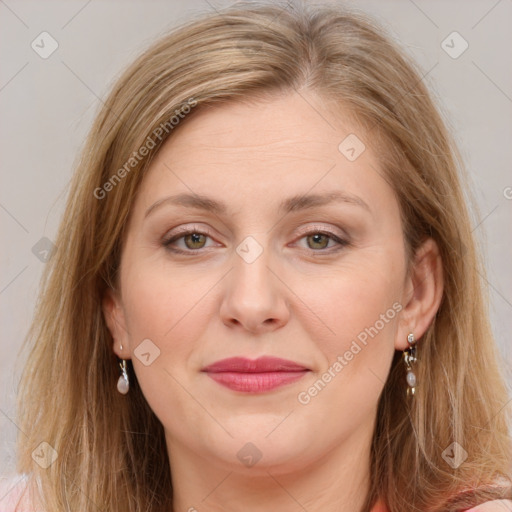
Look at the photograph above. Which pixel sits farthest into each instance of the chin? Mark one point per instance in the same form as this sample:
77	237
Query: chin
262	450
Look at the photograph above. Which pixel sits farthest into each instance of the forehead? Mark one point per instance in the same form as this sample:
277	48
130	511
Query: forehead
283	146
284	121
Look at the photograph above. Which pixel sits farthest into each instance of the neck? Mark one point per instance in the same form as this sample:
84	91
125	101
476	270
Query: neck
336	482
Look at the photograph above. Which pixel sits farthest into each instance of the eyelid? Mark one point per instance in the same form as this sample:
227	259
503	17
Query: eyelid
340	239
181	231
187	229
321	229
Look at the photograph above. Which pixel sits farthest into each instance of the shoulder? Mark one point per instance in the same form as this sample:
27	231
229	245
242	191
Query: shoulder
493	506
15	494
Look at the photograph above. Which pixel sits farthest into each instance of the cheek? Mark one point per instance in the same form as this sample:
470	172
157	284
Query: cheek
360	306
160	303
165	316
360	296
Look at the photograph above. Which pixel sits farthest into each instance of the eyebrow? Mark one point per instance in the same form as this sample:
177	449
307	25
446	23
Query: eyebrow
292	204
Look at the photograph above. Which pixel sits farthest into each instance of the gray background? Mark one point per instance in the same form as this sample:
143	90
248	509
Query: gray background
47	106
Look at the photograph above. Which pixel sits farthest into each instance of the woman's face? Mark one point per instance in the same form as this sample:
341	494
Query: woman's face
260	230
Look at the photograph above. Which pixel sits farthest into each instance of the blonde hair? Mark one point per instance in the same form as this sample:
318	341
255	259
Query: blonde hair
111	449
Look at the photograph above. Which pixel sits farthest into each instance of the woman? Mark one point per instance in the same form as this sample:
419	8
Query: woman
260	237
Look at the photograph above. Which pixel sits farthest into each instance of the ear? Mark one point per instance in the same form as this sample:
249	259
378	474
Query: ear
423	293
115	319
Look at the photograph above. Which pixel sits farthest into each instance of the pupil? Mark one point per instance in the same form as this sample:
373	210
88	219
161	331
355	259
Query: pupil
195	238
317	239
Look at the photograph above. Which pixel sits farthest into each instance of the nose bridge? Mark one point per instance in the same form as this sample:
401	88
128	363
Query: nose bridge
254	296
252	277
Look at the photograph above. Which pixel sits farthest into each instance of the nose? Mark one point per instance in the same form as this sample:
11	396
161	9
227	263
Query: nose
255	298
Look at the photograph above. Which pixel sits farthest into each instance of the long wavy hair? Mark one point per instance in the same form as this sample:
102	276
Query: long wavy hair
111	450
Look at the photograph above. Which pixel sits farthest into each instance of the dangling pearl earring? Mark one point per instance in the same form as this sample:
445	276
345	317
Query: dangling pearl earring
123	384
410	359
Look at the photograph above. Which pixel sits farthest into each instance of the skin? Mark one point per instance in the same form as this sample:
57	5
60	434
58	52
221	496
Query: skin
305	298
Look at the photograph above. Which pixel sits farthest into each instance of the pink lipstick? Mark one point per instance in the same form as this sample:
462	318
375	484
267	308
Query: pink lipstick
255	376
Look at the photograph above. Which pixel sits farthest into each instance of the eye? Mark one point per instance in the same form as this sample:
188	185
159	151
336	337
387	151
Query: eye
319	240
193	240
189	241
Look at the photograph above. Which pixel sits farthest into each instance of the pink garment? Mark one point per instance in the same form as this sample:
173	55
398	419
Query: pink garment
379	507
14	495
499	506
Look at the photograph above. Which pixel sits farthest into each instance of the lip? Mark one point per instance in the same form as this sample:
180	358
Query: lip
255	375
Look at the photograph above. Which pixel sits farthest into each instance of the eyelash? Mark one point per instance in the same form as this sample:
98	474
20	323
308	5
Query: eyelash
168	241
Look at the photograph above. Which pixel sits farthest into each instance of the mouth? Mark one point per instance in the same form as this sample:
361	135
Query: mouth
255	376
